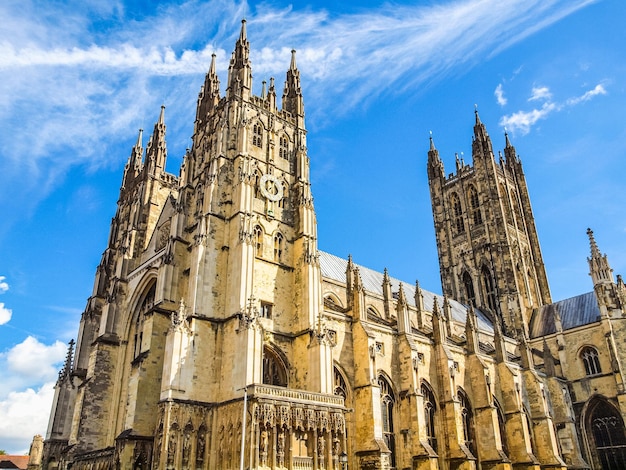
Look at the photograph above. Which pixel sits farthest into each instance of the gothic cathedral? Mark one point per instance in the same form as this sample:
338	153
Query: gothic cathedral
218	336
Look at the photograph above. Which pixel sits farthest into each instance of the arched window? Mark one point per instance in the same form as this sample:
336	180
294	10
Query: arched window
281	201
516	207
340	387
257	185
257	135
387	402
606	426
430	408
283	147
490	290
146	303
457	212
258	241
506	202
589	356
470	295
467	420
274	371
502	427
475	206
278	246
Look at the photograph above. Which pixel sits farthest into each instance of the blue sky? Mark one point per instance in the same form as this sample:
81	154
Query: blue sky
79	78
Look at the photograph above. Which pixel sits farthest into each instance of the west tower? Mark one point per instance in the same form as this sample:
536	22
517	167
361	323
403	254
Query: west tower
489	252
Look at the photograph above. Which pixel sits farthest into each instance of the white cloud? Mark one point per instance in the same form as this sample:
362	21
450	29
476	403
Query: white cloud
4	286
24	414
522	121
5	314
30	363
598	90
540	93
499	93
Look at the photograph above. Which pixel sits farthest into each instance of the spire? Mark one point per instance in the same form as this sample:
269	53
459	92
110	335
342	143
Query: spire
435	165
387	294
402	312
133	165
271	94
439	327
471	330
599	268
240	70
67	366
292	94
156	152
264	90
210	92
481	146
509	150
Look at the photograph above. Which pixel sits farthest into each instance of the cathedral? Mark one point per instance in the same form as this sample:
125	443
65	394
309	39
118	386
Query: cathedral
218	335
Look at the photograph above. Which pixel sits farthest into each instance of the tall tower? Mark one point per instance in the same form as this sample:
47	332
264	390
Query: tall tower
208	297
489	252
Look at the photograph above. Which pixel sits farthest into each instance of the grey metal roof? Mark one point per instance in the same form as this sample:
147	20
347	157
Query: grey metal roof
334	268
576	311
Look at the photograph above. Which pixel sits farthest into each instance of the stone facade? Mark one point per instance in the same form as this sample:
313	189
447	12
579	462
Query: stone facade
218	336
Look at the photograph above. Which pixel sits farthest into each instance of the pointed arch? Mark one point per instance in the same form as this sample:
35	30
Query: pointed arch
340	385
474	203
457	213
142	304
430	411
387	405
279	245
257	134
501	426
468	286
605	433
467	421
490	289
591	361
258	240
274	367
283	146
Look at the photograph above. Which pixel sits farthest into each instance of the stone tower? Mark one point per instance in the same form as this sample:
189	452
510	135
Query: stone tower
207	298
488	247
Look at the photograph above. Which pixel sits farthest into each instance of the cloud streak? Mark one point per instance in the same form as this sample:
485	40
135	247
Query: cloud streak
523	121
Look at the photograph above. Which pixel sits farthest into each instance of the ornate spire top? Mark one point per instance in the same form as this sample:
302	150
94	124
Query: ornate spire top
599	268
243	34
156	152
432	142
401	296
292	65
162	116
507	143
476	114
292	94
595	251
67	365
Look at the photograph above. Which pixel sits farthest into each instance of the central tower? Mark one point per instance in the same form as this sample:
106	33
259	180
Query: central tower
489	252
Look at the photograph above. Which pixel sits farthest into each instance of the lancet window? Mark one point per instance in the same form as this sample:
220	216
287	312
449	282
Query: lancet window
146	303
467	420
468	284
457	213
283	147
589	356
258	241
490	290
430	408
475	206
257	135
387	402
274	371
278	246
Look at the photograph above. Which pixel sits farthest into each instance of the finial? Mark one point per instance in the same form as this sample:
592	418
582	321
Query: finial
212	67
139	139
432	143
264	90
506	139
293	60
476	113
595	251
243	33
162	115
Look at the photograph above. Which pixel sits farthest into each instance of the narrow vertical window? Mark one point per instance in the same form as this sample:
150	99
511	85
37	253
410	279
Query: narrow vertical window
278	246
490	290
470	295
257	135
387	402
475	206
430	409
457	213
283	148
591	360
258	241
467	420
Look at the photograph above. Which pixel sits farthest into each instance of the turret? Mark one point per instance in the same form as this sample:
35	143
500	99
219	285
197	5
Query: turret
599	268
156	152
435	165
240	70
482	142
133	165
209	95
292	94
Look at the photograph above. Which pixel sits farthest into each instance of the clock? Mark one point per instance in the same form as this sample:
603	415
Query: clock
271	187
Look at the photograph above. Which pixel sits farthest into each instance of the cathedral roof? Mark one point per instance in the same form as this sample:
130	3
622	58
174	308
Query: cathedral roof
334	268
573	312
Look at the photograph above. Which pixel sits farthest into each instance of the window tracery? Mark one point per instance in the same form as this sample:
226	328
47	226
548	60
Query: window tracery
591	360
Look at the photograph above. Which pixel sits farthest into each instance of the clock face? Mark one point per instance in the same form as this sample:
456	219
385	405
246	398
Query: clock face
271	188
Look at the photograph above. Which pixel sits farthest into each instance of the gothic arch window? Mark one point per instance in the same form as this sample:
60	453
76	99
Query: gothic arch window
387	402
258	240
257	185
502	426
516	207
589	356
283	147
257	135
278	246
274	370
430	409
477	217
506	203
490	290
144	305
281	201
467	420
340	387
606	434
457	213
468	284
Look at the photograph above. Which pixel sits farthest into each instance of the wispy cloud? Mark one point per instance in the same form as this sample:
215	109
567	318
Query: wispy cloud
499	94
540	93
4	285
523	121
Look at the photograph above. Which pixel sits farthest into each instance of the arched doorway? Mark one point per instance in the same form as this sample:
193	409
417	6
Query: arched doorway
606	435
